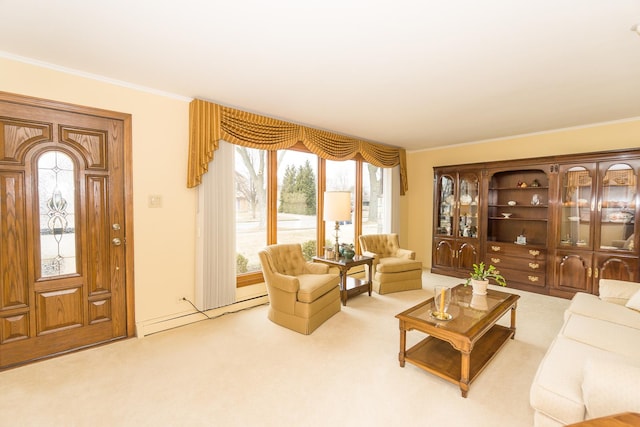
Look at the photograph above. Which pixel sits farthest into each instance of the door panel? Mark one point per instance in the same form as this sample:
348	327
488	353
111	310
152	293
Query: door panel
574	271
468	254
62	187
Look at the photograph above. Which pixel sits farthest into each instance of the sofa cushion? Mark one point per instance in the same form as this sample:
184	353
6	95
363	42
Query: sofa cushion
607	336
617	291
591	306
634	302
556	389
610	387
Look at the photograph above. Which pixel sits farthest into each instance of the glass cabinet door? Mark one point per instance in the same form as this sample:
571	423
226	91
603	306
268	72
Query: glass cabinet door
577	196
468	194
446	207
617	207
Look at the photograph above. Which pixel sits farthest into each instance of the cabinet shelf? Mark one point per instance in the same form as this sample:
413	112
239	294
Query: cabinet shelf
519	206
519	188
500	218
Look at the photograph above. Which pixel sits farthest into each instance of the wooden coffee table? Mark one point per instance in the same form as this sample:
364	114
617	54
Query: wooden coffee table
457	350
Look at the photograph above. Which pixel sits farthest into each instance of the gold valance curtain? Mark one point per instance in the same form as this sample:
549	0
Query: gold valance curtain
209	123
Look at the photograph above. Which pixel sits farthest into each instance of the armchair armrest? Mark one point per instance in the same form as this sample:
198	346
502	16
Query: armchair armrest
285	283
316	268
406	253
373	255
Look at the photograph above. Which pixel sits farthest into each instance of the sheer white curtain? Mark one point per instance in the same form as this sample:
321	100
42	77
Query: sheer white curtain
216	233
391	186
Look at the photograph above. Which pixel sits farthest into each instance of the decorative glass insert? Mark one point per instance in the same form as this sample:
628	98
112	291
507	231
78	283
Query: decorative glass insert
56	196
618	208
575	225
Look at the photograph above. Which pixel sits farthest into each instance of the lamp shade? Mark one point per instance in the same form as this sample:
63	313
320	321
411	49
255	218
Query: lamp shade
337	206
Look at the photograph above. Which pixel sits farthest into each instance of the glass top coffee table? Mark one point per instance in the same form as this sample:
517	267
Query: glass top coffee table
457	350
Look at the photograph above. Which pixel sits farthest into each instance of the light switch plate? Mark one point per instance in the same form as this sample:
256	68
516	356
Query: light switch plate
155	201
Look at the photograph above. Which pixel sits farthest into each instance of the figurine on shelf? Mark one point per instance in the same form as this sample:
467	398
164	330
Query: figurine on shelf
535	183
535	200
521	184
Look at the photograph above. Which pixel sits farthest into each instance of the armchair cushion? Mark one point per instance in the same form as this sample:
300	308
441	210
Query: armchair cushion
397	265
313	286
394	268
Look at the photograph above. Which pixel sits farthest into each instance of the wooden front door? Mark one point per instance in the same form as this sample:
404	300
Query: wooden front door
64	249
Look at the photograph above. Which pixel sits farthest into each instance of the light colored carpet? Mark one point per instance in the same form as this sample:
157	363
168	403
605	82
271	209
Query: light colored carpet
243	370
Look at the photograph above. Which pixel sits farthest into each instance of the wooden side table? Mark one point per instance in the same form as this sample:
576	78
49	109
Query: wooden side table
350	286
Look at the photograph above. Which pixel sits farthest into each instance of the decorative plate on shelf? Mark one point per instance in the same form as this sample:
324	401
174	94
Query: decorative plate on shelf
465	199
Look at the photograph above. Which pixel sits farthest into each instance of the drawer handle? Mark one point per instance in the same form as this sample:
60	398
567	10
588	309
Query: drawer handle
496	248
534	252
495	260
496	271
534	265
533	278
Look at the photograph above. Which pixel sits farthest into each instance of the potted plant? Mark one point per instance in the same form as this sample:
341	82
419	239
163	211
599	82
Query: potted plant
479	278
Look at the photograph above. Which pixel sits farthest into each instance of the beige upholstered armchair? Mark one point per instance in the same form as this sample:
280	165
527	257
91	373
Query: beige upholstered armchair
302	295
394	269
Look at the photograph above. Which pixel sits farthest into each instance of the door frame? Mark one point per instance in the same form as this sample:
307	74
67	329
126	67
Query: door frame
128	184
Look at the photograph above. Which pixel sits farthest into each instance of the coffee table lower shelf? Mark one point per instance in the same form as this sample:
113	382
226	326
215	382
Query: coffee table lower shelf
441	359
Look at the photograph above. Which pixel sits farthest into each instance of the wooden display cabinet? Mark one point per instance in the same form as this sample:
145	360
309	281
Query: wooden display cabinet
595	226
554	225
456	220
517	224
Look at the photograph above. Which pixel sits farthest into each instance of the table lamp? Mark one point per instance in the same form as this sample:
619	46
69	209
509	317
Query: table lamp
337	207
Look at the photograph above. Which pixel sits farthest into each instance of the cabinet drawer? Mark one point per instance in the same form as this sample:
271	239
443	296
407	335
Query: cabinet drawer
510	249
534	278
501	261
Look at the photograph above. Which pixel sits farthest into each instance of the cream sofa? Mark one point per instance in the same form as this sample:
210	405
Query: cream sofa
592	368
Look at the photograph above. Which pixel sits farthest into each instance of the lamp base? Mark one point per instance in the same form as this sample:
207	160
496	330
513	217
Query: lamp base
336	247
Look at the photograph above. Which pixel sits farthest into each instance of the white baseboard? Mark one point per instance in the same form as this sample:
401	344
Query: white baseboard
246	297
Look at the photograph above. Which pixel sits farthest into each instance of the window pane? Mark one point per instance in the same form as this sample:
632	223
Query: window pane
56	191
373	199
341	176
297	199
251	207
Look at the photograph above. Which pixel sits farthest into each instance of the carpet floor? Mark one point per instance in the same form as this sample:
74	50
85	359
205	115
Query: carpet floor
243	370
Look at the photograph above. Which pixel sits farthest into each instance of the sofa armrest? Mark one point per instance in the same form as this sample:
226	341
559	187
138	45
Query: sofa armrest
617	291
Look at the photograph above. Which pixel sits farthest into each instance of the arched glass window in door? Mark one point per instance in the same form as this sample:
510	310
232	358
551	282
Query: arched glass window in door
56	196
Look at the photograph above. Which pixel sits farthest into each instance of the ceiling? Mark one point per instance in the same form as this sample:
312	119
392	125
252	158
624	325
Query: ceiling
416	74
